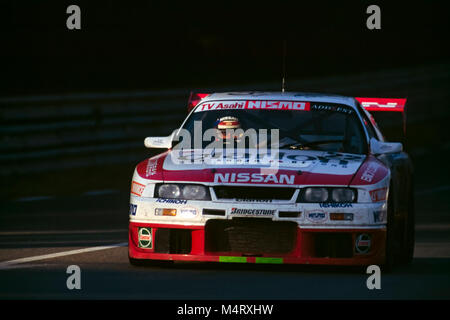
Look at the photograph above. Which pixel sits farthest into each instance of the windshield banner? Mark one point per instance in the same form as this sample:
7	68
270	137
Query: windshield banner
254	104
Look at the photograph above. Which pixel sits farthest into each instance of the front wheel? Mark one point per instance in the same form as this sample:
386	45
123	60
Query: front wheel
390	249
409	238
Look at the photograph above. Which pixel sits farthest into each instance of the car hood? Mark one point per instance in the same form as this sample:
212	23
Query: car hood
291	167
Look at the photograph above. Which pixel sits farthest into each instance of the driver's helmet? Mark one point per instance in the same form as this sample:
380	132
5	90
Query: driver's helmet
230	123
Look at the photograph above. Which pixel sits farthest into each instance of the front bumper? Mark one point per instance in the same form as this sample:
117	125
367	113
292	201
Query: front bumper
310	246
261	239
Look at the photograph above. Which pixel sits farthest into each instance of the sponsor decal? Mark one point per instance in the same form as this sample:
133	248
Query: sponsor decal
151	167
316	216
232	259
252	212
133	209
145	238
335	205
246	177
254	200
328	163
363	243
137	188
378	194
282	157
379	105
173	201
334	108
269	260
188	211
158	141
254	104
369	173
382	104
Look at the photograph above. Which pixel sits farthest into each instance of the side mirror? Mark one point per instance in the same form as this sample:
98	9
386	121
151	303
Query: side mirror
378	147
159	142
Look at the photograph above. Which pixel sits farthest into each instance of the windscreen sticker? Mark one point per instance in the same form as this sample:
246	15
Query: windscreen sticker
308	161
334	108
254	104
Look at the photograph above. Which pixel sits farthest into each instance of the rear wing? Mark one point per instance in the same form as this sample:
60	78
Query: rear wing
194	99
389	114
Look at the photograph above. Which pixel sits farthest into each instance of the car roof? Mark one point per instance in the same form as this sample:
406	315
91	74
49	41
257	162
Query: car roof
281	96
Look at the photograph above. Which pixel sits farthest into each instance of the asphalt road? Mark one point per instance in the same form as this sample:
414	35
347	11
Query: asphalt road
32	229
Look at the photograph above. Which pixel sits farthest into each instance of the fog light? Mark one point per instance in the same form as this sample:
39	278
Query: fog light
165	212
341	216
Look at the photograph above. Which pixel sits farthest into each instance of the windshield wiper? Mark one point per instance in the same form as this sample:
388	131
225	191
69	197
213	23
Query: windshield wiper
300	145
292	141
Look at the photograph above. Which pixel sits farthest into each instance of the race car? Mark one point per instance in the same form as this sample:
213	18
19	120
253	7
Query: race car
275	178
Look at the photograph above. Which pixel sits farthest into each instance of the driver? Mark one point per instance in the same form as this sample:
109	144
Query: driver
231	124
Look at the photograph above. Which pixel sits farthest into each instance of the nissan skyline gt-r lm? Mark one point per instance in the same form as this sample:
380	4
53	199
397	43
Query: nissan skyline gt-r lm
265	177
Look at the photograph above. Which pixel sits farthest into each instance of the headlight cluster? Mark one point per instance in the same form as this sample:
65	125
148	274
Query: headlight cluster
320	194
182	191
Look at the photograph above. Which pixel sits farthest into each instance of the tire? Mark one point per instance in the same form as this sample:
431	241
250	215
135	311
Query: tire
390	249
409	237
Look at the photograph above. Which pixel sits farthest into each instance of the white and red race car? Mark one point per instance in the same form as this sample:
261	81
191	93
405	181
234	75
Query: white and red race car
264	177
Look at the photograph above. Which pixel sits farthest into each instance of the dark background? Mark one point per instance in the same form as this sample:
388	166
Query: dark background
76	105
146	44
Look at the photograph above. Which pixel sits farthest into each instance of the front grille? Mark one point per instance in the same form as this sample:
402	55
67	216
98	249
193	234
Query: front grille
254	193
174	241
253	236
333	245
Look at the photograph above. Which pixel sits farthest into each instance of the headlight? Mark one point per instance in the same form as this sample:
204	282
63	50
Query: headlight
343	195
316	195
171	191
182	191
194	192
322	194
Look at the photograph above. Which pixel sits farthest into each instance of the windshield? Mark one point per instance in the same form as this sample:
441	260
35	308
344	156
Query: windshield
324	127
